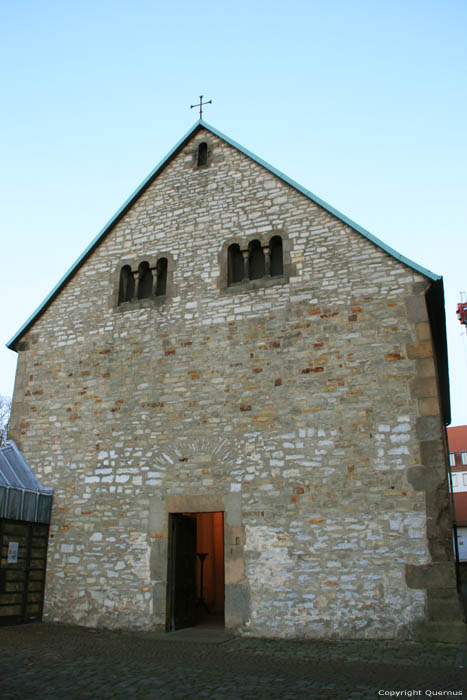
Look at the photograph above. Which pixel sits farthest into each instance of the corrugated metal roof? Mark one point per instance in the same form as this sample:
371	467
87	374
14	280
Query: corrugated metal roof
163	163
22	496
15	471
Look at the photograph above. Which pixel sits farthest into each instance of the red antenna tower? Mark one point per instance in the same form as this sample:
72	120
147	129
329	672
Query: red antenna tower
462	310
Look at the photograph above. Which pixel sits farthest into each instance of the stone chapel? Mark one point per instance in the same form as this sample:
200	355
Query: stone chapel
239	397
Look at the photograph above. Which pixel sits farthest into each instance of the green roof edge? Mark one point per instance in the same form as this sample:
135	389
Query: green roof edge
100	235
325	205
202	124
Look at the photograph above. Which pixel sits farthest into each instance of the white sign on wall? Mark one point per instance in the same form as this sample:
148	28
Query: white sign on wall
13	552
462	543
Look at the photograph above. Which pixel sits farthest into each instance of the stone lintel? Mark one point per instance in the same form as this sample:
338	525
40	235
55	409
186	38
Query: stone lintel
429	576
432	454
425	367
423	331
447	632
416	308
443	608
421	349
428	407
424	479
428	428
237	605
423	387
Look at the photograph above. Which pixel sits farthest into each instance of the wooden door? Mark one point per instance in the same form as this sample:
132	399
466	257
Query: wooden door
23	552
183	571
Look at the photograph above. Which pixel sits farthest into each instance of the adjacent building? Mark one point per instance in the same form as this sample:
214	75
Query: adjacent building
457	439
25	507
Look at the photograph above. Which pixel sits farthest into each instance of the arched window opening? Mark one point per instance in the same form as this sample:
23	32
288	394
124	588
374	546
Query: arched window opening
161	271
235	267
277	259
202	154
256	262
145	281
126	288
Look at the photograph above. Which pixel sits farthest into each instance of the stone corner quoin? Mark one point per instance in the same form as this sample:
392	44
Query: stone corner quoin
302	405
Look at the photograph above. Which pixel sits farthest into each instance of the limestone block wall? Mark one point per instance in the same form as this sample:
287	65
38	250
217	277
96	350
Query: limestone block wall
293	405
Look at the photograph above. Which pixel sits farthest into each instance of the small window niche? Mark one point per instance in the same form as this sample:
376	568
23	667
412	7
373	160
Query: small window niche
256	261
161	272
126	289
235	264
277	258
202	159
145	281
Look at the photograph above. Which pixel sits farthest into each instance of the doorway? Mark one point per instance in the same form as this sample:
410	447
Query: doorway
196	590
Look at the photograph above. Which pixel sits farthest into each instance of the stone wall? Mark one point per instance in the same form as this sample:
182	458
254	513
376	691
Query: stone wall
292	404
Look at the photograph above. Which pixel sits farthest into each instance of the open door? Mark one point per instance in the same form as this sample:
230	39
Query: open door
182	572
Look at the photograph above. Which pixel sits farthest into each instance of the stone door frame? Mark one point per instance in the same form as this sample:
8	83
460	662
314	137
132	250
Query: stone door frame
236	609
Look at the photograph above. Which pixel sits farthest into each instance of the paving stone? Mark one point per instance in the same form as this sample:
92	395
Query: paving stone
45	661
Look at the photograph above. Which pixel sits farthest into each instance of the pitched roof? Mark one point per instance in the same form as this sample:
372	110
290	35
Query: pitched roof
158	169
22	496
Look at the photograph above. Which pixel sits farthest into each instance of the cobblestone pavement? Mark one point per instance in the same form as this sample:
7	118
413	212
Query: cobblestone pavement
54	662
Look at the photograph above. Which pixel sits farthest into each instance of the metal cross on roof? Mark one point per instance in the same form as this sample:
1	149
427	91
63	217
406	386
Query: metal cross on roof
200	105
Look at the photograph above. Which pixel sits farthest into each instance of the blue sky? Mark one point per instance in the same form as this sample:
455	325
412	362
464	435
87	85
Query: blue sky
364	103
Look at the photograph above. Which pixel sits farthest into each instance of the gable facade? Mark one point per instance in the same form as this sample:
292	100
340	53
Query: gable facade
301	402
